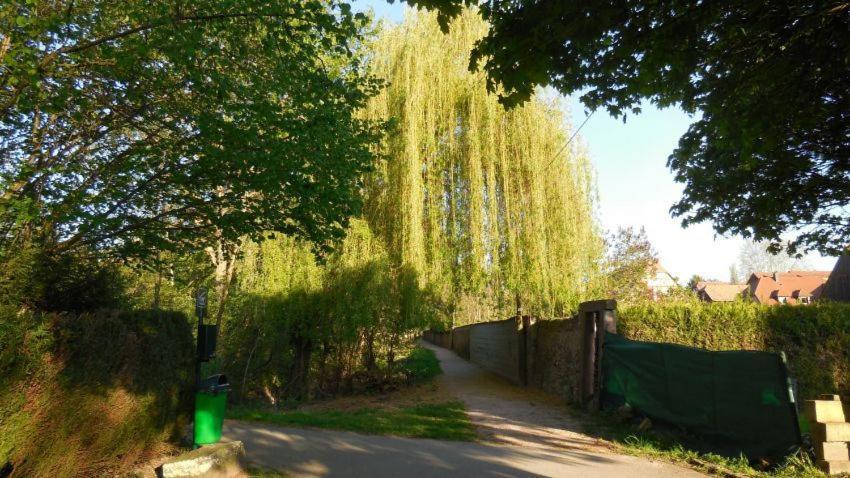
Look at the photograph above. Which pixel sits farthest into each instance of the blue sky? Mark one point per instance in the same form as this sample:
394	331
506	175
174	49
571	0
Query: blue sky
635	186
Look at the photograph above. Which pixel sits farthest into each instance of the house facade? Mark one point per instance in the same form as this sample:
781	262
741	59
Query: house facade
659	281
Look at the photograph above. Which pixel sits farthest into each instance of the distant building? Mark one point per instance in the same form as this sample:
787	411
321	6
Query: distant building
792	287
719	291
659	281
838	285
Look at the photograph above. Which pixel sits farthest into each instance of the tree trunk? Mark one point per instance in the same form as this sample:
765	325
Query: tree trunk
297	387
247	366
223	257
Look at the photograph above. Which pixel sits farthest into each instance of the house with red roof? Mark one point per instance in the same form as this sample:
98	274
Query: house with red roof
792	287
711	291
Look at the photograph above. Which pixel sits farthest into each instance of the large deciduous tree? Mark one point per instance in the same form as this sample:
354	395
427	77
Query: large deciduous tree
483	203
769	83
630	262
136	127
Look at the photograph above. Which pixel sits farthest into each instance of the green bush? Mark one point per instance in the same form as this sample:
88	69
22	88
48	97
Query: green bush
815	338
93	394
421	365
78	282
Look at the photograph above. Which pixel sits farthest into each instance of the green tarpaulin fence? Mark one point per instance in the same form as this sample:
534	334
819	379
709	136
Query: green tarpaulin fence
735	401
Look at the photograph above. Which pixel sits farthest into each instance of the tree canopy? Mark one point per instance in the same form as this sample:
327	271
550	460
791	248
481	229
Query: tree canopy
142	126
755	257
768	83
630	262
483	203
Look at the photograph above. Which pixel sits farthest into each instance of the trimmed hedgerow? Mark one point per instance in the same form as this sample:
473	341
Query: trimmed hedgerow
94	394
815	338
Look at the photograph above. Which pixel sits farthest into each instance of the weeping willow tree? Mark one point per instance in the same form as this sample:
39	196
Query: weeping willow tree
473	206
485	204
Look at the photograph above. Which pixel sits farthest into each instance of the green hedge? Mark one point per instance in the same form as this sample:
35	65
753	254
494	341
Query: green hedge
815	338
91	395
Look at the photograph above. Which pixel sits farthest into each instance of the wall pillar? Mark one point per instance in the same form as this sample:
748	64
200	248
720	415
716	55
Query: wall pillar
596	318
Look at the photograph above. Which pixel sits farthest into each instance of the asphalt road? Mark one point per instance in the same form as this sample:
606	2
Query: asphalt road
522	433
302	452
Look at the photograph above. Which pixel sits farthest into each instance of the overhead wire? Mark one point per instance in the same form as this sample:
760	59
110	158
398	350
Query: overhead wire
575	133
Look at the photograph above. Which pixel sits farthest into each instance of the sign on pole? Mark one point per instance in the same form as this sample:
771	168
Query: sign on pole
201	302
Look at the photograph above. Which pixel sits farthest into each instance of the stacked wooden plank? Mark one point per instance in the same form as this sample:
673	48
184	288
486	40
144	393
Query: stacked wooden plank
829	423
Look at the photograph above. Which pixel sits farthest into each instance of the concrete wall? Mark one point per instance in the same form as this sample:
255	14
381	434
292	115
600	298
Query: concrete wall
443	339
495	346
460	340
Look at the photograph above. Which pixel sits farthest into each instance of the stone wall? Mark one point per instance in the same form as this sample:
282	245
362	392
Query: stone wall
554	360
544	354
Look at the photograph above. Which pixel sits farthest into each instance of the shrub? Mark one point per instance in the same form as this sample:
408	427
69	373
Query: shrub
815	338
38	279
421	365
93	394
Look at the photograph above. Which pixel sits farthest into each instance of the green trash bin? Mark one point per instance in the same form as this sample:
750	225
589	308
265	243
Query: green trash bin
210	403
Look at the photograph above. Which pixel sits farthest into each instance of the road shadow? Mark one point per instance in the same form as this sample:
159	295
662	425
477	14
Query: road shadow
507	414
323	453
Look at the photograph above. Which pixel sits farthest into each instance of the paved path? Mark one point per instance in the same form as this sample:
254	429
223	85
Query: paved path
523	434
506	414
303	452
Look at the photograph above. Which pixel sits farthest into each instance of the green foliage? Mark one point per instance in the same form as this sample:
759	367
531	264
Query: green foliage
482	203
444	421
630	262
815	338
471	208
91	394
142	127
421	365
737	66
74	282
299	329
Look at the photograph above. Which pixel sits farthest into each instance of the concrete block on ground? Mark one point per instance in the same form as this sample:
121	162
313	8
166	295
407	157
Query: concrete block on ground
221	460
827	411
834	467
831	451
827	432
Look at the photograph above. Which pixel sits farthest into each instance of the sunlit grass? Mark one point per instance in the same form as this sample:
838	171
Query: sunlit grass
446	421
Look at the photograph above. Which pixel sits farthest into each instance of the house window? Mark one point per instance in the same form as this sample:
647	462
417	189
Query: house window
805	300
782	299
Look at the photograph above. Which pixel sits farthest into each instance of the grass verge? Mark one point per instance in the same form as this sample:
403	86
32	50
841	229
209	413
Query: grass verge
254	472
421	365
667	446
445	421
